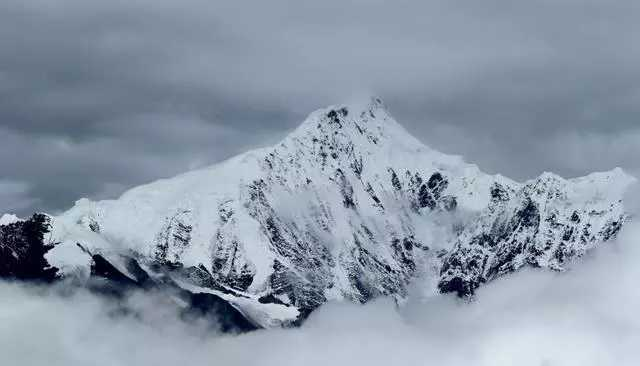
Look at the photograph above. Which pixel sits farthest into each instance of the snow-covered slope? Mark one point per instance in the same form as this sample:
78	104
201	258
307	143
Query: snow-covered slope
347	206
8	219
546	223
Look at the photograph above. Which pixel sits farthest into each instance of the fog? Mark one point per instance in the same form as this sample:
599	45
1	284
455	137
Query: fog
585	316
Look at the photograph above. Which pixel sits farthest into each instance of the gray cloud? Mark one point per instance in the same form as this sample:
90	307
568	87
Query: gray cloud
99	96
14	196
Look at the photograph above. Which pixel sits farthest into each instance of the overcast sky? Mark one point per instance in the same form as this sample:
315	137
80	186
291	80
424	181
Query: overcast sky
98	96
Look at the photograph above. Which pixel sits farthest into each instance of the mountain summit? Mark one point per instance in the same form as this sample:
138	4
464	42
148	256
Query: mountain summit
349	206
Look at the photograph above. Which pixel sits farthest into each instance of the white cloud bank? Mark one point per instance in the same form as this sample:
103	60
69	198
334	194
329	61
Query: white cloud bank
587	316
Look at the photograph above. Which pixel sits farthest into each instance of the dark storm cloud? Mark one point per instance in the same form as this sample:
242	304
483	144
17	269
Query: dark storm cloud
99	96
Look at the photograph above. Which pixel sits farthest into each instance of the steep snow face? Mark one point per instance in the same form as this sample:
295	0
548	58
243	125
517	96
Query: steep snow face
348	206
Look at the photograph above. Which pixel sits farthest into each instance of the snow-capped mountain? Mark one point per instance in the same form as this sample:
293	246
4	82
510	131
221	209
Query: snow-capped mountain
349	206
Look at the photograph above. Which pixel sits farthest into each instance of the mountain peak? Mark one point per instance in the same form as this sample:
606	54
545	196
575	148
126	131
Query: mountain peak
355	107
360	127
354	116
